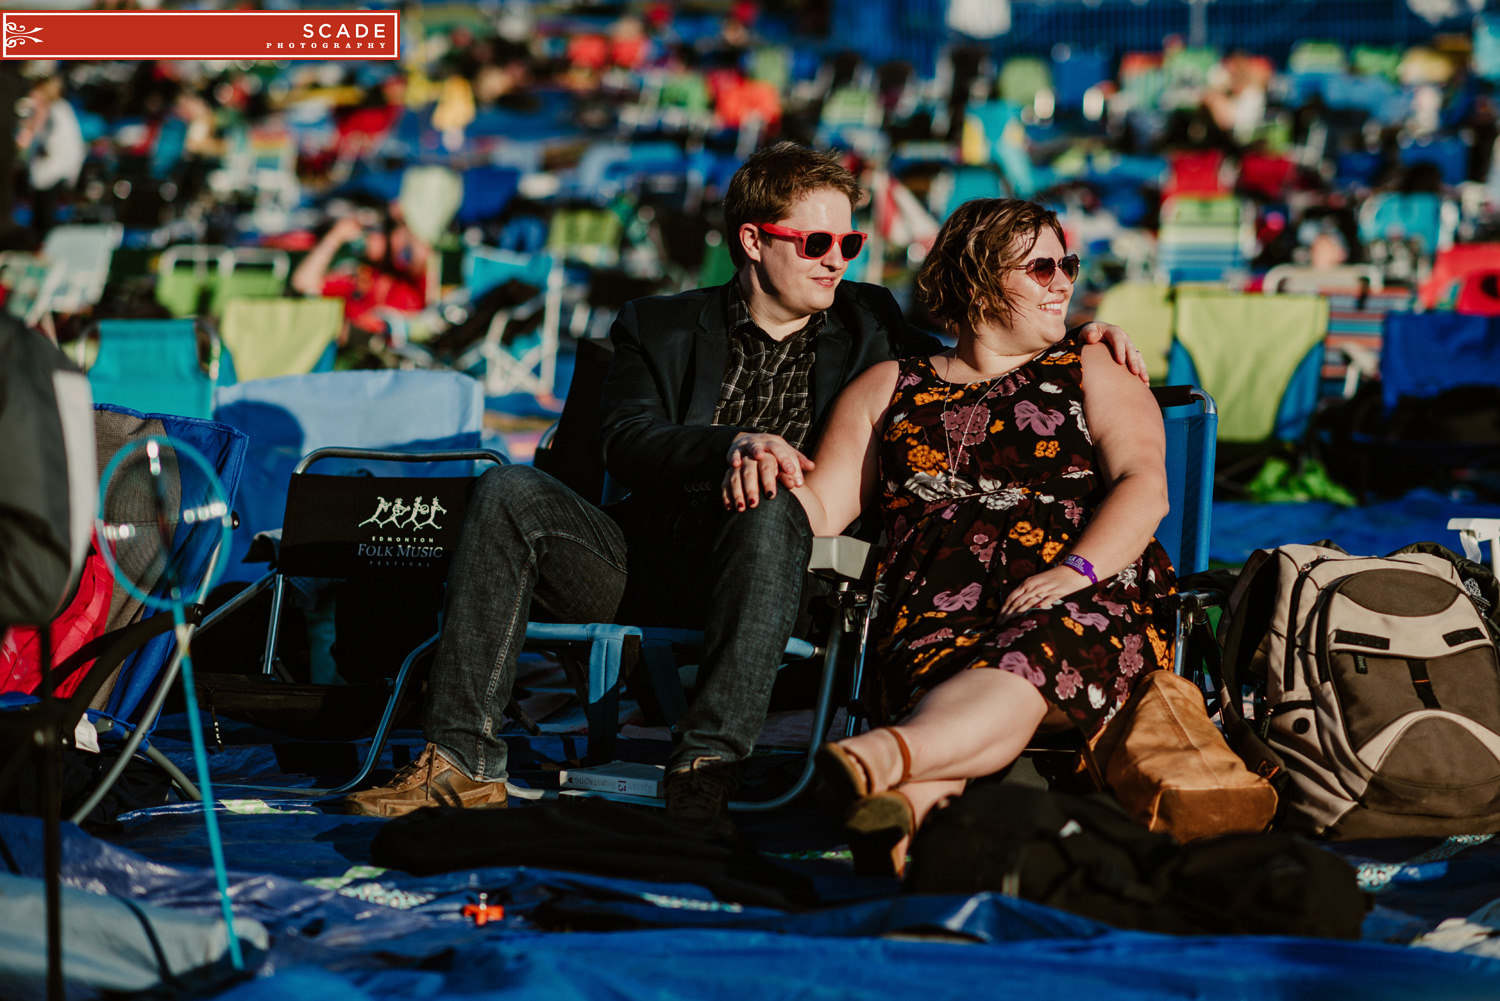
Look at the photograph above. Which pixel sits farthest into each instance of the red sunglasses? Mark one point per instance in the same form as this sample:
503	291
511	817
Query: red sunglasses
814	245
1042	269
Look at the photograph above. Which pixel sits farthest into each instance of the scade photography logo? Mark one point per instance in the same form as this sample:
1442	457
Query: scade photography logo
218	35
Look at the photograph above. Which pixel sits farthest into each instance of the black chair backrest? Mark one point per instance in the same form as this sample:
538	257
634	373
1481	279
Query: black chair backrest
573	456
353	527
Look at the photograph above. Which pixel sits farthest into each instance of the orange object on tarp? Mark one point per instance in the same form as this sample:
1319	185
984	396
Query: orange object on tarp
85	619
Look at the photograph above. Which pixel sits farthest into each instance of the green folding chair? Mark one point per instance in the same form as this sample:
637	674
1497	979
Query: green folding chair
271	337
1145	310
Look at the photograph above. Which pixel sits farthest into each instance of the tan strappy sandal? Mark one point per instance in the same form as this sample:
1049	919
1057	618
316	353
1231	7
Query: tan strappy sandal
846	779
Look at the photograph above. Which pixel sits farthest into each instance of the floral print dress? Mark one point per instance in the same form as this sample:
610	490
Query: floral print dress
983	486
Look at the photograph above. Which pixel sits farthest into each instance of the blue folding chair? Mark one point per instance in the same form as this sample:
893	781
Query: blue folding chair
153	366
530	364
290	416
1426	355
130	698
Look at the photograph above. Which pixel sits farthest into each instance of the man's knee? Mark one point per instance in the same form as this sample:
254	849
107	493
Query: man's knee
776	525
509	491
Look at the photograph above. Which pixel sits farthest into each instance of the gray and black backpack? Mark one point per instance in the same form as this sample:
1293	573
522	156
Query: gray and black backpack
1367	689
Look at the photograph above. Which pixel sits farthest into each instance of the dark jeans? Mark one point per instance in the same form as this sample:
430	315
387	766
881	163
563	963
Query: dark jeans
529	539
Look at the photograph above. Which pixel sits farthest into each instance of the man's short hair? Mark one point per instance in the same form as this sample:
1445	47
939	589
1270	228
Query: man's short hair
768	184
963	278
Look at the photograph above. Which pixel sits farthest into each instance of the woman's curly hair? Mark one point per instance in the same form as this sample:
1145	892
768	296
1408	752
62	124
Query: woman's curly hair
963	278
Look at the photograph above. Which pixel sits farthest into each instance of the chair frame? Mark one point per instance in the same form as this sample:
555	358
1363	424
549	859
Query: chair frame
276	581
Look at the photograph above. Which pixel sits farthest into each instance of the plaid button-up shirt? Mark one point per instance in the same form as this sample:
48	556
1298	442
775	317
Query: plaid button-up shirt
767	383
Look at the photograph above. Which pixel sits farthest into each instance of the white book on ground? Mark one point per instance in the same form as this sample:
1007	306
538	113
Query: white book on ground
627	777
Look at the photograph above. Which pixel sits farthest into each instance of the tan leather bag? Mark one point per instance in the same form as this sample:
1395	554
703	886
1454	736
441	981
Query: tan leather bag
1170	767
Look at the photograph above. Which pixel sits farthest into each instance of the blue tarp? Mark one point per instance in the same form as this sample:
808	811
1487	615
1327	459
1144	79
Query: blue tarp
1241	527
341	927
403	936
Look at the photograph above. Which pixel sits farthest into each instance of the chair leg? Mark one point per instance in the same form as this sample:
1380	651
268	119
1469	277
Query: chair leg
661	671
51	769
377	742
822	715
179	779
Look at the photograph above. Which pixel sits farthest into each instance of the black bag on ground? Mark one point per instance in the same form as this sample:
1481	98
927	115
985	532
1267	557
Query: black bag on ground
594	836
1083	854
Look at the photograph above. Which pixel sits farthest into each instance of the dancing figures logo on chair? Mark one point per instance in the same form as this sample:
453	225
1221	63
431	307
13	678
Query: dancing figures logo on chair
399	514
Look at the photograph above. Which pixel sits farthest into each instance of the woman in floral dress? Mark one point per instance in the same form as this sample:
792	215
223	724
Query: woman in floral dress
1021	476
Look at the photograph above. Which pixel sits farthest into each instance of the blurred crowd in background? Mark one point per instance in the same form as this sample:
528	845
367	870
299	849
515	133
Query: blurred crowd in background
525	168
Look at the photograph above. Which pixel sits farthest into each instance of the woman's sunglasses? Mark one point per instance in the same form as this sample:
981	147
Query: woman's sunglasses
814	245
1042	269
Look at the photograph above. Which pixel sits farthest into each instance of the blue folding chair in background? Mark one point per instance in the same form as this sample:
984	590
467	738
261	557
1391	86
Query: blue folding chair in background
1425	357
529	365
157	366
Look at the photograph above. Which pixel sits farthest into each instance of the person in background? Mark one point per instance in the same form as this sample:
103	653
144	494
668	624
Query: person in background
54	142
387	267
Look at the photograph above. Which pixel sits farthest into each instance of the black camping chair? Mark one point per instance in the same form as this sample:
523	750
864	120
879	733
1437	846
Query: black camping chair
389	530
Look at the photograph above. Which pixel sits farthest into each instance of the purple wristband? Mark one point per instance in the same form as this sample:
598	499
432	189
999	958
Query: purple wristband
1083	566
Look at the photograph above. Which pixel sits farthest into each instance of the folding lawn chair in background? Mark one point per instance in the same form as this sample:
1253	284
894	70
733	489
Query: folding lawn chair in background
1202	239
1144	309
1258	356
157	366
1452	265
1479	294
528	364
1421	220
271	337
253	273
32	282
1356	320
1307	280
186	276
1440	390
84	253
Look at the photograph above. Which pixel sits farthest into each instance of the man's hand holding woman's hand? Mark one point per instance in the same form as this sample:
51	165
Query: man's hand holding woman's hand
1043	590
757	463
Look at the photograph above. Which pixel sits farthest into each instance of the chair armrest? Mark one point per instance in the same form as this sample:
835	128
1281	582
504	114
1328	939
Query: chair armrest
841	557
1195	600
1474	531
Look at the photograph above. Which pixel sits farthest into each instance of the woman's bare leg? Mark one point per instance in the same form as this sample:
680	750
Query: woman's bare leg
971	725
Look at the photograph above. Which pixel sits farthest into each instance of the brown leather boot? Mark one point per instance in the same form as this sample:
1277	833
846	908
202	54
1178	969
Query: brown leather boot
431	780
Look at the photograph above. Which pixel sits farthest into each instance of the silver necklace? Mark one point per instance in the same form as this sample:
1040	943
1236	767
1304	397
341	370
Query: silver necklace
958	457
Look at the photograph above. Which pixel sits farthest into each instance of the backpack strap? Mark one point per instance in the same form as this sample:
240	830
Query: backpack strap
1248	624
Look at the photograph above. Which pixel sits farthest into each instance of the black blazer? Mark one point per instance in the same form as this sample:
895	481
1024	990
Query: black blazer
669	357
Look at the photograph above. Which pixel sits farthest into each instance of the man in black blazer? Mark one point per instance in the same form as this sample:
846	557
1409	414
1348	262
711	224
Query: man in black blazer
700	383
